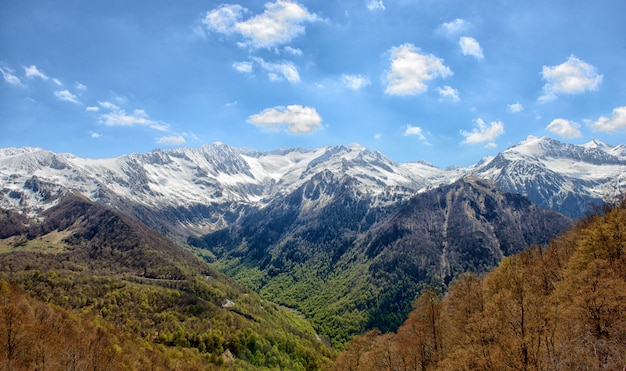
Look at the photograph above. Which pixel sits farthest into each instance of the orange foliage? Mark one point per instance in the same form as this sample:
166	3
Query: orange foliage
558	307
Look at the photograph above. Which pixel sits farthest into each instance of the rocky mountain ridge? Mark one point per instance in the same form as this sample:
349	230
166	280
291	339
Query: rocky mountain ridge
197	190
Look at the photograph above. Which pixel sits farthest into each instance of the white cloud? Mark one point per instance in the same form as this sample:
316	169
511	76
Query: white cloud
9	77
469	46
617	122
279	71
224	19
414	130
571	77
299	119
92	109
453	28
109	105
378	136
293	51
417	131
515	107
280	23
564	128
484	133
449	92
32	72
410	70
375	5
243	67
66	96
174	140
95	135
80	86
354	82
119	117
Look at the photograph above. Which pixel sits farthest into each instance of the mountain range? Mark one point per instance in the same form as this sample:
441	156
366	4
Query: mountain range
194	191
343	234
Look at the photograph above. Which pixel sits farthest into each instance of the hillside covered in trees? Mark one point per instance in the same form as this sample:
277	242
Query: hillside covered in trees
87	288
350	267
560	307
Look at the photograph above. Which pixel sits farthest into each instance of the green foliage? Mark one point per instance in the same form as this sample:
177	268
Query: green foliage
162	299
349	266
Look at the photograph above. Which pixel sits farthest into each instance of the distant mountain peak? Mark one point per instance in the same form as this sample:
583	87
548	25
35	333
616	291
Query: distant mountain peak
595	143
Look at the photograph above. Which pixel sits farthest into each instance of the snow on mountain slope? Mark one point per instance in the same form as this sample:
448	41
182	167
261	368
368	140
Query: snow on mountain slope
553	174
181	177
559	176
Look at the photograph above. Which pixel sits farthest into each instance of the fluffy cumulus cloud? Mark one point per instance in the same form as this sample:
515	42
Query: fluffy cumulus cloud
224	19
449	93
297	118
617	122
515	107
281	21
484	133
116	116
66	96
173	140
354	82
375	5
469	46
564	128
571	77
411	70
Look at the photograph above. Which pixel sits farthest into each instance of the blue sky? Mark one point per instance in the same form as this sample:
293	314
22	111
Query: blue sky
447	81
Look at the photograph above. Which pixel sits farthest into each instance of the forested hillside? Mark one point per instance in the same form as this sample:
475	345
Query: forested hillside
161	306
40	336
349	266
560	307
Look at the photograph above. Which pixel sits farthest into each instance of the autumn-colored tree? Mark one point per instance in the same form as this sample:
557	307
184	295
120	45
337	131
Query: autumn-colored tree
34	336
468	329
592	296
352	358
421	334
556	307
382	354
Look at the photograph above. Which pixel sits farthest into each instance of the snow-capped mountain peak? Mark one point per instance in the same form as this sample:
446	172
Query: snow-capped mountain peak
555	175
595	143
